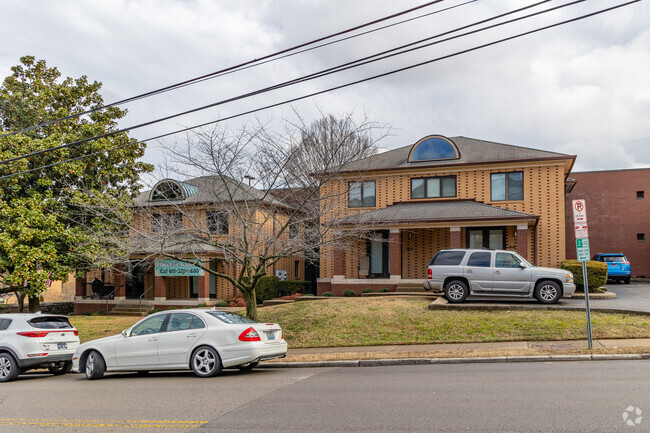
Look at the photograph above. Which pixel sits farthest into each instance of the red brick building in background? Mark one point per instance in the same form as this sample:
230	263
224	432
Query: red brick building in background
618	215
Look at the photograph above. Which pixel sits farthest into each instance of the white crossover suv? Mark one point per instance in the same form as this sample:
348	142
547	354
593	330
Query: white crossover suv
31	341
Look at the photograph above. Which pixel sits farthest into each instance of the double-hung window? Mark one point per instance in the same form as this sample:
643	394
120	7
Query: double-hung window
362	194
507	186
433	187
164	222
218	223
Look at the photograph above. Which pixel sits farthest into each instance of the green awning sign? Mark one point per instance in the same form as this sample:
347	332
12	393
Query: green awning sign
177	268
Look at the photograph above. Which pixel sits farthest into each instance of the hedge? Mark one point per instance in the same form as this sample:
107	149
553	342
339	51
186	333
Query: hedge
270	287
596	273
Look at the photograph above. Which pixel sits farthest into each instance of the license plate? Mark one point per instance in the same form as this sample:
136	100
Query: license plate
61	345
270	335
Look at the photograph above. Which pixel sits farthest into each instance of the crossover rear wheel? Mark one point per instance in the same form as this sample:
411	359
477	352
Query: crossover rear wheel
60	368
8	367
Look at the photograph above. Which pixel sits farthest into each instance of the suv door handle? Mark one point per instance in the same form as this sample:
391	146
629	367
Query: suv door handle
153	339
191	336
497	272
469	271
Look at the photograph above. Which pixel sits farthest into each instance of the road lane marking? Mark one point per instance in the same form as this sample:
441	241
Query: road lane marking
102	423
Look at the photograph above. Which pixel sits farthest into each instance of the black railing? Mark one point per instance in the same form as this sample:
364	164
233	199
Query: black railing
140	301
112	293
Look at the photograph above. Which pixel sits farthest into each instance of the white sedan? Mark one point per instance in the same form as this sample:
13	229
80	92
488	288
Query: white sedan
204	341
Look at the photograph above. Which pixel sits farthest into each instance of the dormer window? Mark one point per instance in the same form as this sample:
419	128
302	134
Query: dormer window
433	148
170	190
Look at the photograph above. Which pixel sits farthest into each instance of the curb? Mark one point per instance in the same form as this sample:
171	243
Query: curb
428	361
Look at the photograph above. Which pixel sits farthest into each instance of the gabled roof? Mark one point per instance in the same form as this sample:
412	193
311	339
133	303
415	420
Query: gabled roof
213	189
472	151
437	211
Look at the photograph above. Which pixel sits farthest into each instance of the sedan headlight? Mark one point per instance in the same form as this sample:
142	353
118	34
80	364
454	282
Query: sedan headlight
569	278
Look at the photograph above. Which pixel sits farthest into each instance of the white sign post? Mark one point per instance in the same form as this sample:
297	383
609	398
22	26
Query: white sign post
582	248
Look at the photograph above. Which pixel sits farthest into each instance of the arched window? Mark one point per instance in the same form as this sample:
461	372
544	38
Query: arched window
169	190
433	148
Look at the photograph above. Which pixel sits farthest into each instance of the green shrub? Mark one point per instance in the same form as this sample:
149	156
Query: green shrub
367	290
220	304
87	313
99	313
596	273
187	307
266	288
202	304
327	294
348	292
290	287
171	308
155	310
384	290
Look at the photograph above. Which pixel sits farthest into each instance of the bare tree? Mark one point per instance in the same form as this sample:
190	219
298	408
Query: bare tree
250	226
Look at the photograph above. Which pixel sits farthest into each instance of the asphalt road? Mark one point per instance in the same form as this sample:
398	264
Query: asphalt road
517	397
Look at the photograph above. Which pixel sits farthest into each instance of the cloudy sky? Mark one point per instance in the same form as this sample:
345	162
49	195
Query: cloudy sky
582	88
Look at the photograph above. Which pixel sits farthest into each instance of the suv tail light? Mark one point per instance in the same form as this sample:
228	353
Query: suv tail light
430	274
625	263
249	335
33	334
40	334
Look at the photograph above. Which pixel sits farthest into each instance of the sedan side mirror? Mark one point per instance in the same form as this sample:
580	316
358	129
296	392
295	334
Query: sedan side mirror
124	333
522	265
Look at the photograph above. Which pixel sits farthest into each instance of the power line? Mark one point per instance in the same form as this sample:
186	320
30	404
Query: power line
289	101
235	68
329	71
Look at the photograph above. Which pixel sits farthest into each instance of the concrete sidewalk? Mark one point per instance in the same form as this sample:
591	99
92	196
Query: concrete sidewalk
569	344
542	351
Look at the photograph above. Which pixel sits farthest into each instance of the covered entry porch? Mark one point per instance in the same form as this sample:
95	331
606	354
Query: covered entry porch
401	240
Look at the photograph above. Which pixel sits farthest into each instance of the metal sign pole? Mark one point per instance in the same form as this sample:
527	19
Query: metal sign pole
586	285
582	247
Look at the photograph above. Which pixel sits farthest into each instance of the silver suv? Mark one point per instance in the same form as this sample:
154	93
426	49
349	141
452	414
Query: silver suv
462	272
29	341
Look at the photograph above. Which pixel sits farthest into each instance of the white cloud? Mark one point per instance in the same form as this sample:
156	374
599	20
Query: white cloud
580	89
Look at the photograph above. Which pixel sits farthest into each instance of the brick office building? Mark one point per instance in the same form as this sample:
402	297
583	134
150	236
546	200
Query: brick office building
618	214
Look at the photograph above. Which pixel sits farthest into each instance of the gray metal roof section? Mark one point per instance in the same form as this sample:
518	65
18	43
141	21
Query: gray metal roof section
461	210
472	151
212	189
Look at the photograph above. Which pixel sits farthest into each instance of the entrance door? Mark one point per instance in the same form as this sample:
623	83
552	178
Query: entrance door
135	281
486	237
378	251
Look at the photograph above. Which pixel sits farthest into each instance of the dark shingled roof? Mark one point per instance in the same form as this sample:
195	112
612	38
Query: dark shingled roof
212	189
178	243
461	210
472	151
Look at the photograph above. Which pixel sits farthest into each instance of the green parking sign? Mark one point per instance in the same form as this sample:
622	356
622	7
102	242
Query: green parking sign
582	246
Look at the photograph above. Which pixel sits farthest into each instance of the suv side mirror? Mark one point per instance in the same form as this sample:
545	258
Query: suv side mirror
522	265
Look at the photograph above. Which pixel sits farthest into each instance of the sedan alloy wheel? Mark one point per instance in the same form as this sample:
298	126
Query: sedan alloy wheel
206	362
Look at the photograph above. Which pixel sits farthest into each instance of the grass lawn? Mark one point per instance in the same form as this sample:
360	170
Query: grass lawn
379	321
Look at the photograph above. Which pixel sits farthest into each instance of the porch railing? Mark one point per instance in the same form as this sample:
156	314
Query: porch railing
140	301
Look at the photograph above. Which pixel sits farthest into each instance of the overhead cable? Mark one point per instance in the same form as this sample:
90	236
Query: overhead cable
245	65
289	101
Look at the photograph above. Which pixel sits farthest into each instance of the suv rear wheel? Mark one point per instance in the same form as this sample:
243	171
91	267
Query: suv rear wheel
456	291
8	367
548	292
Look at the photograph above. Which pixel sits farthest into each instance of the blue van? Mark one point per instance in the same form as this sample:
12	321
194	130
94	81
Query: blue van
618	266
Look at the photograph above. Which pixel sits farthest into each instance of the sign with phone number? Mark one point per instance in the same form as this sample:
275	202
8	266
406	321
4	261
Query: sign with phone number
176	268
